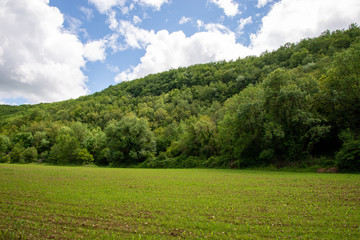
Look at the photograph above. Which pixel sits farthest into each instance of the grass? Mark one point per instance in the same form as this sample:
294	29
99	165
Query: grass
51	202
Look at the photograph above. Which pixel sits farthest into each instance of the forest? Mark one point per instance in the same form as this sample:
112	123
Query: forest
296	106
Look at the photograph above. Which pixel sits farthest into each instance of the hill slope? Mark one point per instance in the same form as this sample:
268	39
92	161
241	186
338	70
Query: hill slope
285	107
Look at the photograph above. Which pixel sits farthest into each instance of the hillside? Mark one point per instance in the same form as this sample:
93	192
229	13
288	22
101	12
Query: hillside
298	106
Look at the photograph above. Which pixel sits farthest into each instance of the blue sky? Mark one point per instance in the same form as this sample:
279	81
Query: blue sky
61	49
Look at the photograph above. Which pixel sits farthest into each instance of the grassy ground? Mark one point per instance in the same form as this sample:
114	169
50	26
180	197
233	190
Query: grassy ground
46	202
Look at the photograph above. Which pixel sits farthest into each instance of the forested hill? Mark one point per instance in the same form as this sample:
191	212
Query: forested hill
298	106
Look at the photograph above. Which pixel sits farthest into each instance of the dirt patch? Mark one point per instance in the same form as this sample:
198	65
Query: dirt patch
328	170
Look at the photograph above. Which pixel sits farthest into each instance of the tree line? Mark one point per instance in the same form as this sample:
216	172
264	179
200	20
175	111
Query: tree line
298	106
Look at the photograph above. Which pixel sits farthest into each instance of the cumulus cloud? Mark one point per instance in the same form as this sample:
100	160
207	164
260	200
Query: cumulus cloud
39	60
287	21
136	20
293	20
230	7
87	12
95	50
113	23
184	20
243	22
105	5
262	3
134	37
172	50
152	3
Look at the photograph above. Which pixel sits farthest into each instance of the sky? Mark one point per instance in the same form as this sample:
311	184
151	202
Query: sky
54	50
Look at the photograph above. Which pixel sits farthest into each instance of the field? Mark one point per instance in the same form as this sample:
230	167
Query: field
48	202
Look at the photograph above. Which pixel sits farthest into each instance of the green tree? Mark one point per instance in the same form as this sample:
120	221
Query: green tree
82	156
348	158
24	138
41	141
341	89
63	150
4	145
4	148
198	138
130	141
292	126
95	144
30	155
16	153
241	129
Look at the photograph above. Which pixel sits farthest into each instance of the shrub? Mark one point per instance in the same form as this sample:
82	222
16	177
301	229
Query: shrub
30	155
348	158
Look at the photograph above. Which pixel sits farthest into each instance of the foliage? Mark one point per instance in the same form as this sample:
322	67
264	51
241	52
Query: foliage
349	155
4	145
130	141
16	154
282	108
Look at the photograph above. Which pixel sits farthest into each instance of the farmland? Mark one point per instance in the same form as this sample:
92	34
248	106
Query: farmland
53	202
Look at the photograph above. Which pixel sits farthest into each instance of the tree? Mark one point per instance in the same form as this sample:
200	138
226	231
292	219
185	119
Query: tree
198	138
4	145
95	144
40	141
341	89
16	153
4	148
30	155
348	158
241	128
292	125
63	150
82	156
24	138
130	141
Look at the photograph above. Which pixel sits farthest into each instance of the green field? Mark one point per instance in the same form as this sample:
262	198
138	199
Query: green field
48	202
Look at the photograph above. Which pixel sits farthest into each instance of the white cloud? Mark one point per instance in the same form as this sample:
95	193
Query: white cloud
39	61
200	23
243	22
172	50
136	20
293	20
95	51
112	68
230	7
105	5
152	3
87	12
134	37
287	21
113	23
212	27
74	26
184	20
262	3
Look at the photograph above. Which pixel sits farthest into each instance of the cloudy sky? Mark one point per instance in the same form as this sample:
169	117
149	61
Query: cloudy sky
61	49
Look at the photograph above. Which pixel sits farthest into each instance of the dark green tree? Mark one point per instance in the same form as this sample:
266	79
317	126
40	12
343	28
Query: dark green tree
130	141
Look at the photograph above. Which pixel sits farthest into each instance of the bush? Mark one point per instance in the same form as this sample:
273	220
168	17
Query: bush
191	162
223	161
348	158
82	156
16	154
5	159
30	155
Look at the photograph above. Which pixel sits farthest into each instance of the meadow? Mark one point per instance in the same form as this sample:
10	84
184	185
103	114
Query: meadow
53	202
